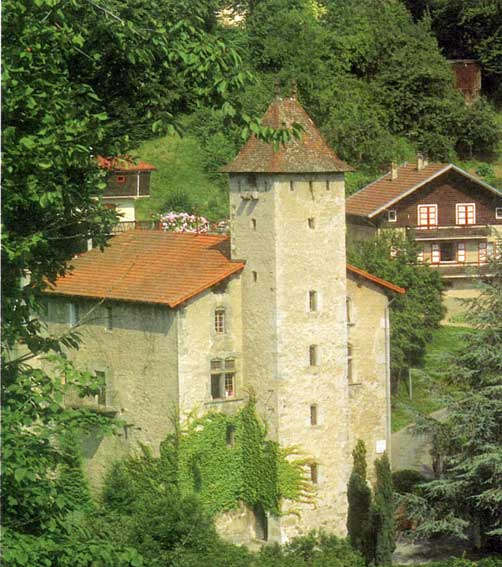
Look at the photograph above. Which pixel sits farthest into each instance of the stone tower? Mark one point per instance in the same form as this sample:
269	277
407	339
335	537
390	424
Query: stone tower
288	224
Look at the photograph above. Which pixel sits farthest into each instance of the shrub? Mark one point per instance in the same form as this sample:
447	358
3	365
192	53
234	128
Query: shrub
405	480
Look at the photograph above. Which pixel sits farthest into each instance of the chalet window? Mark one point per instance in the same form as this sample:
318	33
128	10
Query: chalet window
109	319
498	213
312	300
222	378
461	252
313	355
101	395
427	215
219	320
120	179
314	473
350	364
435	254
447	252
313	414
482	253
466	213
73	314
311	222
349	311
392	216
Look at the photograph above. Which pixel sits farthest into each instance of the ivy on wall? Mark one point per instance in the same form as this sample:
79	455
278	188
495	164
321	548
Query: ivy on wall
227	459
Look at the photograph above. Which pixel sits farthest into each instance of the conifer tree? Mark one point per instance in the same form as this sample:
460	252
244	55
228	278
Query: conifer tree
382	515
359	497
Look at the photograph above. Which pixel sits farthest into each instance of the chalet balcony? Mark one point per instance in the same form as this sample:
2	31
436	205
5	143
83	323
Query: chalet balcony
461	232
461	269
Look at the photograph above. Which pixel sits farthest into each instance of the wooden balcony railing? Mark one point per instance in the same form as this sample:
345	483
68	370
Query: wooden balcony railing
450	232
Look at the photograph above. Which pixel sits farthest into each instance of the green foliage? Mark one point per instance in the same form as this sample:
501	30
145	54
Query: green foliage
405	480
359	499
414	315
465	500
222	459
382	514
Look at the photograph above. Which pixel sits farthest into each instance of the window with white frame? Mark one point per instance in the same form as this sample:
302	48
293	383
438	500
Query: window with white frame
466	213
392	215
73	314
427	215
222	378
498	213
435	253
219	320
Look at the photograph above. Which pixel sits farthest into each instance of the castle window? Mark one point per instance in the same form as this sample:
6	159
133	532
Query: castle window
312	300
313	355
219	320
498	213
314	473
291	185
101	395
311	222
120	179
109	319
311	186
73	314
313	414
350	364
230	435
327	186
222	378
392	216
253	224
350	311
255	276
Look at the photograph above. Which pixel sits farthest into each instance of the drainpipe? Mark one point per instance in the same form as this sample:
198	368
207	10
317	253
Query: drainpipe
387	378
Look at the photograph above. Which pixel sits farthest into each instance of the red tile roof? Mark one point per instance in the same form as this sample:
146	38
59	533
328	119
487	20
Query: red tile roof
309	154
150	267
124	163
374	279
384	191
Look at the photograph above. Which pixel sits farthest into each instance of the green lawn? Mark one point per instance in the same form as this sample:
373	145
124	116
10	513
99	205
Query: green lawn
428	384
180	182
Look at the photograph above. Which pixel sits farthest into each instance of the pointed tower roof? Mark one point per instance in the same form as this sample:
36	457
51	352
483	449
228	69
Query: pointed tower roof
309	154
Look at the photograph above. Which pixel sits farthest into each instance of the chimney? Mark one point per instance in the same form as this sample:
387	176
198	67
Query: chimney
393	170
420	162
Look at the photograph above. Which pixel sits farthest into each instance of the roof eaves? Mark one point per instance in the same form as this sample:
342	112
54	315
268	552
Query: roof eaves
476	180
233	270
409	191
375	279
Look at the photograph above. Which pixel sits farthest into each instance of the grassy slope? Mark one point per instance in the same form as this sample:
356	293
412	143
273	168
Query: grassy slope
180	183
428	384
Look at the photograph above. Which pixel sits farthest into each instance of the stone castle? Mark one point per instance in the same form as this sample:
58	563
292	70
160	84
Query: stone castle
195	321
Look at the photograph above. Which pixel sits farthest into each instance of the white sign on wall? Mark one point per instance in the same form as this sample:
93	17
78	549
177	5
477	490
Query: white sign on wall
381	445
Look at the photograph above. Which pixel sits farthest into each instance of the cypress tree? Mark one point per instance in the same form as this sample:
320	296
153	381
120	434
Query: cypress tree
382	515
359	498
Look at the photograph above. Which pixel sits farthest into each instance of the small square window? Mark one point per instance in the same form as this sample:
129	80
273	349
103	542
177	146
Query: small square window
313	300
313	355
314	473
219	320
311	222
313	414
120	179
392	216
498	213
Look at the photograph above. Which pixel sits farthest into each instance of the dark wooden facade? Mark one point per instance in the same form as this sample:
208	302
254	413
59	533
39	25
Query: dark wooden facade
446	192
128	184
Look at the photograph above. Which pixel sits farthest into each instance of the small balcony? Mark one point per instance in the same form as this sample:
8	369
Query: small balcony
460	232
461	269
